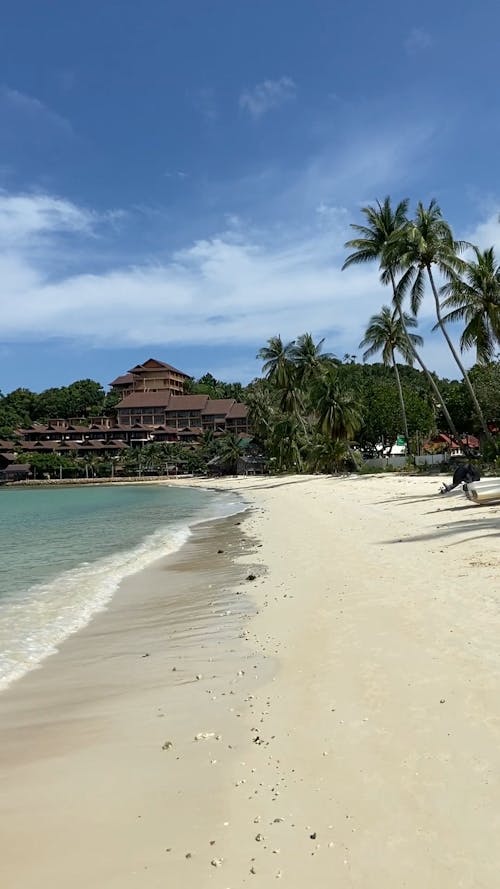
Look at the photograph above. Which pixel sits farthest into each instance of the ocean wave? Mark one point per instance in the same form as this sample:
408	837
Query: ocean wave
35	622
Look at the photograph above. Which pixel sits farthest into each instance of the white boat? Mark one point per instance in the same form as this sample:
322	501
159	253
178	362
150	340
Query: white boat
486	491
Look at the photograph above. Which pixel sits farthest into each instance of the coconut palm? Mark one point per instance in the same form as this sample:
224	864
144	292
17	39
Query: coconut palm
381	240
286	443
475	299
336	408
387	334
277	357
428	242
261	409
327	454
309	358
230	451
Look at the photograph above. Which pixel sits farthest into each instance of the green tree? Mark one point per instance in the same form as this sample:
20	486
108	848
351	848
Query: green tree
327	454
229	451
262	409
388	334
309	359
381	240
486	381
287	442
277	360
475	299
428	242
337	409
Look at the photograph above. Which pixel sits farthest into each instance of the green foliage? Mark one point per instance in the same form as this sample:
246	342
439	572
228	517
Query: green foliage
209	385
84	398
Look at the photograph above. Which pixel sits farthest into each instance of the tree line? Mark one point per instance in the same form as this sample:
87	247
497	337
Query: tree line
309	406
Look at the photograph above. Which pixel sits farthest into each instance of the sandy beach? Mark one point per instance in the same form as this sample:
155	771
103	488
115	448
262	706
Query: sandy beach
335	652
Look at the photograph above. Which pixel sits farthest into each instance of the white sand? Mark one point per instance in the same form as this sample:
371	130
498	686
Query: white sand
370	679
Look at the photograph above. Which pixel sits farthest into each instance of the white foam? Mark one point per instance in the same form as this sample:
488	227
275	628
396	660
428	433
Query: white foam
33	624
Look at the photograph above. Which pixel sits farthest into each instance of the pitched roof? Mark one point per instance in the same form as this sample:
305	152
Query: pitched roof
238	411
187	403
124	379
154	364
145	399
18	467
218	406
6	445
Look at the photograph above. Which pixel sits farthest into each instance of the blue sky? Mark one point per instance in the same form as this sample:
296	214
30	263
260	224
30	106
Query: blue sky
177	178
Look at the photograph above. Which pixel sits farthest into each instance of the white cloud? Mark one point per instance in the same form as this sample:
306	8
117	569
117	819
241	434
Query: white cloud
486	233
31	111
417	41
24	217
267	95
214	292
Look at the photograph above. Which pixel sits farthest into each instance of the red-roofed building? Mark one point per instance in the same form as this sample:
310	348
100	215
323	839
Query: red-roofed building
151	376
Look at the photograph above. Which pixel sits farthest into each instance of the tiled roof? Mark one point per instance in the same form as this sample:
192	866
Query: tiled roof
238	411
145	399
17	467
218	406
123	379
187	403
6	445
154	364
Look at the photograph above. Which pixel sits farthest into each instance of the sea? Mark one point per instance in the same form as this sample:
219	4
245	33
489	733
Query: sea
64	551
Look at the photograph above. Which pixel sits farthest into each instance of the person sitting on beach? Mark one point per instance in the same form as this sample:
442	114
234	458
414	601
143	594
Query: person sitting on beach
464	474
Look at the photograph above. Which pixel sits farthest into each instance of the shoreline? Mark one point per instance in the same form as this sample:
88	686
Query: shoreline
353	683
155	668
91	585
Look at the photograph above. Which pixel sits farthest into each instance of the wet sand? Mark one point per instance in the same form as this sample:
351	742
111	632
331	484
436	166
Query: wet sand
351	697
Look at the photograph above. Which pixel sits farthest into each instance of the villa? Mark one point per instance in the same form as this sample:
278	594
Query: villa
153	408
151	376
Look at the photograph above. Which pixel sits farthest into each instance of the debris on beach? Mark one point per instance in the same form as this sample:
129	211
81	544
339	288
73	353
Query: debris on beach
216	862
167	745
207	736
251	577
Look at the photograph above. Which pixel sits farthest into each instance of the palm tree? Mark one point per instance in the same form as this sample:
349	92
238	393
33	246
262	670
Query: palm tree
380	240
309	358
428	241
261	410
386	334
327	454
475	299
336	408
230	451
277	360
286	443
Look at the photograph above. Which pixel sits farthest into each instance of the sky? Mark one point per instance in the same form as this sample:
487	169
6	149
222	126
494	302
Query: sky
178	177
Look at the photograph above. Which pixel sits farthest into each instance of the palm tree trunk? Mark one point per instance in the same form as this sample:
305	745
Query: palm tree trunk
425	369
442	325
401	400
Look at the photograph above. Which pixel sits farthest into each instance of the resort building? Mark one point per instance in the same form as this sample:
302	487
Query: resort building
153	408
195	412
152	376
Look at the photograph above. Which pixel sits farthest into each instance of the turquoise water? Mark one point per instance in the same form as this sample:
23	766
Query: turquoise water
64	551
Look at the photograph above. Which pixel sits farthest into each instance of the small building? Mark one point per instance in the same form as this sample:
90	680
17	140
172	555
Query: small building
442	442
151	376
15	472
